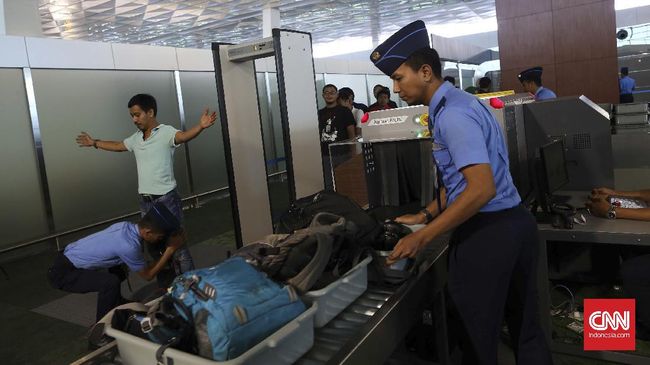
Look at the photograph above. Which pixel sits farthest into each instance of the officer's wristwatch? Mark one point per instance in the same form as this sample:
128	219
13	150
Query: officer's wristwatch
427	215
611	213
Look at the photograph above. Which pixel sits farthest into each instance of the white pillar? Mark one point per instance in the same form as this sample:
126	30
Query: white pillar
270	20
20	18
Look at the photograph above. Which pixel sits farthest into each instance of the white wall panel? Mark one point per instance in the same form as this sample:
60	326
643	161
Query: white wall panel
336	66
58	53
362	67
13	52
143	57
191	59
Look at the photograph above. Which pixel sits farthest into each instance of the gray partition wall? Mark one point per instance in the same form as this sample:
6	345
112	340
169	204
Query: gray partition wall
206	153
88	185
22	212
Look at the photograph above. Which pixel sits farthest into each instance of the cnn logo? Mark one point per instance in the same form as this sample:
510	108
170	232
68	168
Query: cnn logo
603	321
609	324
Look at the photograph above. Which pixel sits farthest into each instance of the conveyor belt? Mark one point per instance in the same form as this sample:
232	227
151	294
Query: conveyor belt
331	338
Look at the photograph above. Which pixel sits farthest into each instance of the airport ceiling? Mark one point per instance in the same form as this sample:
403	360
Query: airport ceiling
197	23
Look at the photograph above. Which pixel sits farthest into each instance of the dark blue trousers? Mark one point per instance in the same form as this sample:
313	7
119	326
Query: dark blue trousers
493	265
635	274
65	276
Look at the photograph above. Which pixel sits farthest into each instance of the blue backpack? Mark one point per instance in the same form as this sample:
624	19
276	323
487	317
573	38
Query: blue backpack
234	307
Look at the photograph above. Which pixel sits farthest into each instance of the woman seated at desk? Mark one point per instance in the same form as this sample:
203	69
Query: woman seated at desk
635	271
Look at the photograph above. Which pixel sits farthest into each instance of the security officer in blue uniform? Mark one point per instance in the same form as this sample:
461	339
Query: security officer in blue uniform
531	80
493	249
626	86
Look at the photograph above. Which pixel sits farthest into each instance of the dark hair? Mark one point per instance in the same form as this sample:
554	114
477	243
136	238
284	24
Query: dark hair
625	71
535	77
345	93
385	91
425	56
160	220
146	102
484	82
451	79
149	222
330	85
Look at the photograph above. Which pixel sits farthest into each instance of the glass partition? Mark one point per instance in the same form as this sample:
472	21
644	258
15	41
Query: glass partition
206	152
88	185
22	215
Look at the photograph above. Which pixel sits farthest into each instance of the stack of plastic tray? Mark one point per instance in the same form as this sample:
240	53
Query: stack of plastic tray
335	297
631	116
283	347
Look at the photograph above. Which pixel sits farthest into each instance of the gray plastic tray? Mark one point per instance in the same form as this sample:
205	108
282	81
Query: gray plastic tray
283	347
332	299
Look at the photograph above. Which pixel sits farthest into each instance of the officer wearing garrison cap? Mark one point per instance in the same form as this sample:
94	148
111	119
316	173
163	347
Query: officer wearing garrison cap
493	249
531	80
80	267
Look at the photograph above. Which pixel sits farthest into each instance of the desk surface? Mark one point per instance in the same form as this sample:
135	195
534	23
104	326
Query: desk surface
635	231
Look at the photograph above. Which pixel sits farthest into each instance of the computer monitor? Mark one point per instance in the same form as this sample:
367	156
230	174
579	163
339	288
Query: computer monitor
553	165
551	175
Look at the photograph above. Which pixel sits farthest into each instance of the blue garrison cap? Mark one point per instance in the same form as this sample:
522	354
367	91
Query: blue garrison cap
529	74
389	55
162	218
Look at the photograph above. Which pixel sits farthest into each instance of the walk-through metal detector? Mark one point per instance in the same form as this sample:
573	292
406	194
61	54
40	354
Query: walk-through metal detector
234	67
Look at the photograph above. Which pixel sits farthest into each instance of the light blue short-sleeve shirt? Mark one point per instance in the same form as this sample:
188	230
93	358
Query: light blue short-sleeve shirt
543	93
154	159
466	133
117	244
627	85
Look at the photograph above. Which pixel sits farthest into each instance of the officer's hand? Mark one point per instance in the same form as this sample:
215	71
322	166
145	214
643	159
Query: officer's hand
411	219
176	240
598	206
408	246
603	191
84	140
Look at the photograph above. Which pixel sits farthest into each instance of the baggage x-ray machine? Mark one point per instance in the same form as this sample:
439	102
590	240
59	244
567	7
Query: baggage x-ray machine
242	128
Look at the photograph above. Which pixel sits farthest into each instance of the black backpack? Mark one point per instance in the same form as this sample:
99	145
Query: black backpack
300	214
298	259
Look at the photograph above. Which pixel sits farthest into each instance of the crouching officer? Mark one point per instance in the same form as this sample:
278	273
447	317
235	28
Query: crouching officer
78	269
493	252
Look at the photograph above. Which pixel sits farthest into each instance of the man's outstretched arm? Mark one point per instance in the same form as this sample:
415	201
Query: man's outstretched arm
206	121
85	140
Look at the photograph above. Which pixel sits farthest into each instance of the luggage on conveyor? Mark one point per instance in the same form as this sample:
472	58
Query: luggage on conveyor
298	259
234	306
302	211
231	308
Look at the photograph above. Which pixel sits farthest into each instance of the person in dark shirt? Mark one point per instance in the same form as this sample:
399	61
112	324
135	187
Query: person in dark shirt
484	84
335	123
383	99
376	89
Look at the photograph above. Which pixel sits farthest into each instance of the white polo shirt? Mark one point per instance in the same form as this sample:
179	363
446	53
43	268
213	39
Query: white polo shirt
154	159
